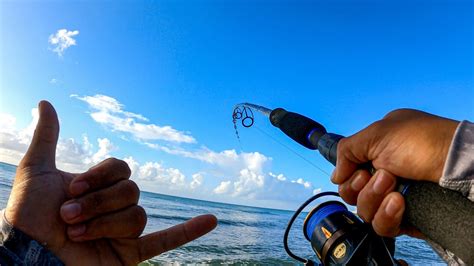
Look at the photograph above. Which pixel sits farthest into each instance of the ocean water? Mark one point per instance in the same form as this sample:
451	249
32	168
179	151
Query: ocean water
244	235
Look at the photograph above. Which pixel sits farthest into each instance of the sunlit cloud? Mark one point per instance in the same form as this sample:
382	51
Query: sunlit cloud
71	155
223	187
62	40
226	159
280	177
246	175
239	177
197	180
109	112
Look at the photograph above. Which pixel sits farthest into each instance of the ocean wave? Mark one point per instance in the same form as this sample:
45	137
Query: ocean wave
259	224
169	217
212	262
225	222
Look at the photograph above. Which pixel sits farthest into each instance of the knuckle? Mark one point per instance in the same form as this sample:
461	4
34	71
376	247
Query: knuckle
376	126
122	167
98	170
116	163
141	215
347	195
384	228
131	190
363	215
95	202
381	230
111	160
388	176
365	174
164	245
140	218
363	210
362	198
397	113
49	133
98	226
342	146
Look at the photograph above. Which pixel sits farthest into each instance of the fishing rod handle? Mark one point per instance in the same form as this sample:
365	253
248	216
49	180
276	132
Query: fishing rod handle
442	215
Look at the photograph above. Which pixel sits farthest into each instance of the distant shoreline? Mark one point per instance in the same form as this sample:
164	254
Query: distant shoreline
217	202
9	164
202	200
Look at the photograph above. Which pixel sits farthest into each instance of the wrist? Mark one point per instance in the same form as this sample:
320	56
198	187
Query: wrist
447	138
21	249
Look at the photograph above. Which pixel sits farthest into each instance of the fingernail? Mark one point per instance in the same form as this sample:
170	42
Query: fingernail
358	183
79	187
392	208
76	230
382	183
71	210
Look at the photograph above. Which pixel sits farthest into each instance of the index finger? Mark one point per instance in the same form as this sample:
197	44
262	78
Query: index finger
352	152
106	173
153	244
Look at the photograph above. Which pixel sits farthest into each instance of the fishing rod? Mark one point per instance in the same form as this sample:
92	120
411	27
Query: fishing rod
339	237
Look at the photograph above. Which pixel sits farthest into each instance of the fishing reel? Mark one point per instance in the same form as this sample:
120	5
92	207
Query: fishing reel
339	237
439	213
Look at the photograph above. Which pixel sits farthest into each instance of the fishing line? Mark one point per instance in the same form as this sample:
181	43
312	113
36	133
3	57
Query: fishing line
290	149
244	113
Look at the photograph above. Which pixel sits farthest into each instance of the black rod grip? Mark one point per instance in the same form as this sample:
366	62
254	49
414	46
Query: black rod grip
297	127
443	215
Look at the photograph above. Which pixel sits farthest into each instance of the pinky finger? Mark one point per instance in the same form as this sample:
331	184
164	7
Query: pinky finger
156	243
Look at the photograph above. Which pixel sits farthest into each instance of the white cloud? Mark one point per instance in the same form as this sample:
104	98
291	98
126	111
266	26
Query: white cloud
223	187
105	147
110	113
300	181
279	177
153	176
248	183
226	159
197	180
7	123
231	176
70	155
62	40
53	81
12	144
247	176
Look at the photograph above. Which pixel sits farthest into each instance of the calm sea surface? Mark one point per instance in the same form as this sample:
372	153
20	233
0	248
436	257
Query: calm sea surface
245	235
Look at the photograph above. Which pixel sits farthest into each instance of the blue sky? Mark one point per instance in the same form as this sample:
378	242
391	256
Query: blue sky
185	64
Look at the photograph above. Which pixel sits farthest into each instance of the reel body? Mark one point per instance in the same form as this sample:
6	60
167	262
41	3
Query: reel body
339	237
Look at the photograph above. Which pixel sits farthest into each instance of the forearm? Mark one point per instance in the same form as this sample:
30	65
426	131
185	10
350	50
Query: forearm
17	248
458	175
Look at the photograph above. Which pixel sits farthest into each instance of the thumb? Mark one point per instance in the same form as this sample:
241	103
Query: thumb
42	150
